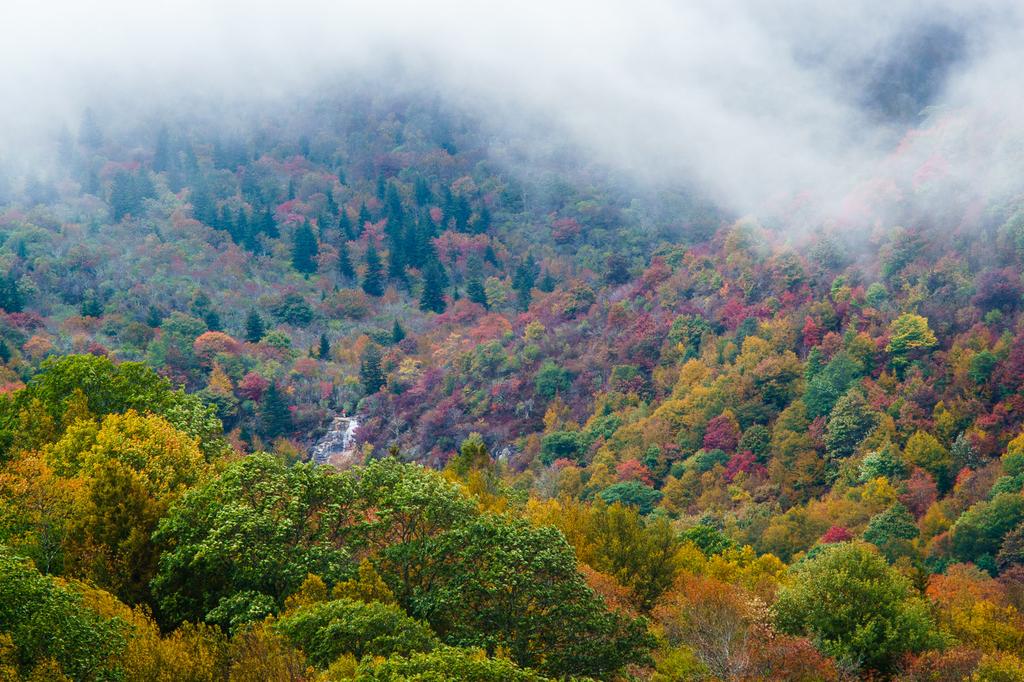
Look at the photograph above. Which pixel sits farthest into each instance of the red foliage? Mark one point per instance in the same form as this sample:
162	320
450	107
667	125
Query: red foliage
921	492
252	386
743	461
811	333
836	534
634	470
722	433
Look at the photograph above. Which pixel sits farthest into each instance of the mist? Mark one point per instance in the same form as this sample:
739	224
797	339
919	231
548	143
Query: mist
792	107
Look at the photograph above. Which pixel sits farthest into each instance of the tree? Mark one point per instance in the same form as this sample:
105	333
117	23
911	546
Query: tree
856	607
472	456
345	268
909	336
329	630
476	293
324	351
633	494
432	297
551	380
446	663
373	278
890	530
925	451
848	424
254	327
238	545
275	417
397	332
46	620
980	530
304	249
370	373
495	583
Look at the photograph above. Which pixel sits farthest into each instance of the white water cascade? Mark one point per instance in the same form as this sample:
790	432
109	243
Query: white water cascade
338	446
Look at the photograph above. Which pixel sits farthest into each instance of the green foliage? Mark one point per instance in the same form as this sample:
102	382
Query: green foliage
925	451
292	309
445	663
275	417
909	335
888	529
373	277
249	531
371	375
980	530
848	424
113	389
830	383
856	608
329	630
47	620
254	327
563	445
494	582
551	380
885	462
707	539
633	494
304	249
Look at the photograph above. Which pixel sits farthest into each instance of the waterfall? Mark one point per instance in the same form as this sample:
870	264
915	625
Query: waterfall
338	446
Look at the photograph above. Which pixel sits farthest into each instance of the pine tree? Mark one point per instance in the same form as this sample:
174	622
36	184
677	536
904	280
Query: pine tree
254	327
304	249
268	225
432	298
275	417
363	219
324	351
345	225
344	262
397	333
370	373
154	318
373	280
475	292
162	151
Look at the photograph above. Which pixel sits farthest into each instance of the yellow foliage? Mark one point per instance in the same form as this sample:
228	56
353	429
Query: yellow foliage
367	586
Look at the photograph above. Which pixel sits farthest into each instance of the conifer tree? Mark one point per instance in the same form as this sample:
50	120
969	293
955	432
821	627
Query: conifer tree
397	333
304	249
432	298
344	261
324	352
370	373
275	418
373	279
254	327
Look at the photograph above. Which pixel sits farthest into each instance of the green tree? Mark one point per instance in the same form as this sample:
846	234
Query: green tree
633	494
551	380
909	336
373	278
891	530
980	530
254	327
924	450
371	375
476	293
304	249
275	417
432	297
345	268
48	620
495	582
848	424
240	544
855	607
397	332
472	455
329	630
445	663
324	351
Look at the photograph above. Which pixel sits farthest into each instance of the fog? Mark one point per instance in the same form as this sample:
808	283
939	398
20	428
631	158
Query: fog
763	105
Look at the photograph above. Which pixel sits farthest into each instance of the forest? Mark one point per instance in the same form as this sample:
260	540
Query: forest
607	430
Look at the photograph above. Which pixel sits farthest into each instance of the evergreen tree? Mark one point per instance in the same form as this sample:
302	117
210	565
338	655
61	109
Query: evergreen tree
268	225
523	280
5	352
475	291
275	417
397	333
344	261
155	317
304	249
162	151
432	298
370	373
421	192
363	219
12	299
345	225
324	352
373	280
254	327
